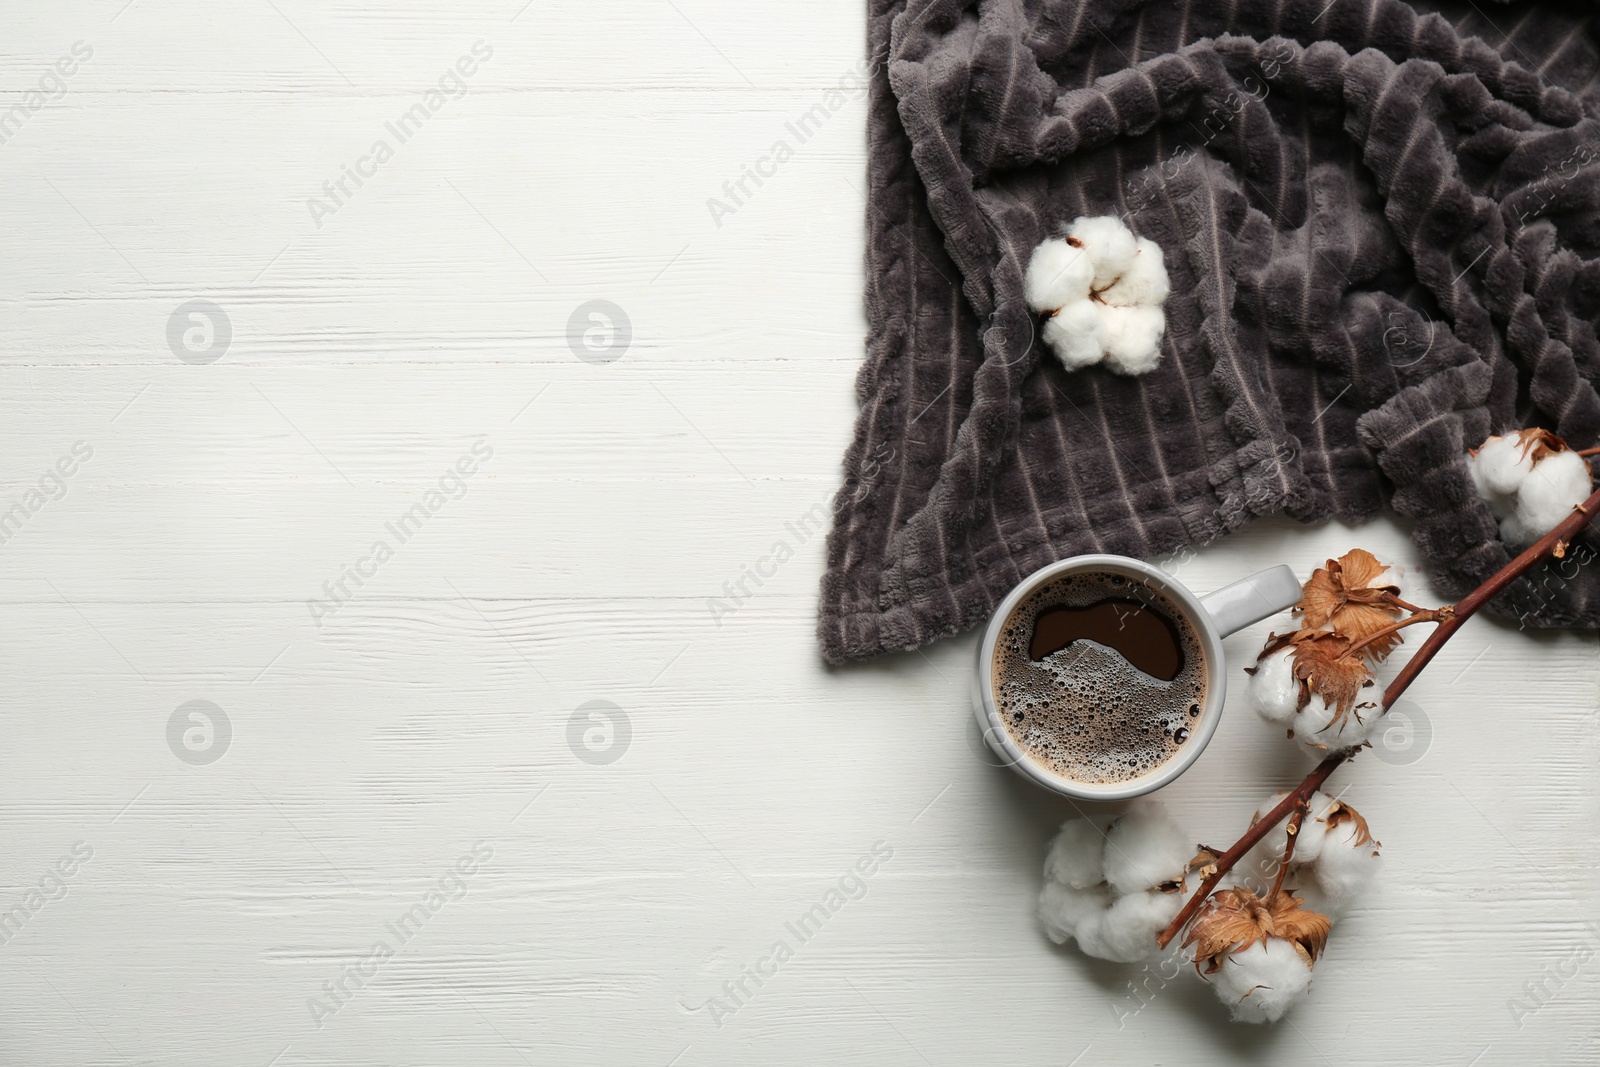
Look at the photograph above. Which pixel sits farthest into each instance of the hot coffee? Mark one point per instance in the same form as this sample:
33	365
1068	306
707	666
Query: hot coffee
1099	676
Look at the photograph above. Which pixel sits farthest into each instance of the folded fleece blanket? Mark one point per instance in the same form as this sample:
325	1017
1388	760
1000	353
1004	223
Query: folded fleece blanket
1382	225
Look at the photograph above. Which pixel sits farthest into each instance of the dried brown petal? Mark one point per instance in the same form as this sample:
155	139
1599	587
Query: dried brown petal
1538	443
1235	919
1342	596
1321	666
1341	813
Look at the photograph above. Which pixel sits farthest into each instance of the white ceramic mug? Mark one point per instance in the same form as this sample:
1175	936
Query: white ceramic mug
1213	617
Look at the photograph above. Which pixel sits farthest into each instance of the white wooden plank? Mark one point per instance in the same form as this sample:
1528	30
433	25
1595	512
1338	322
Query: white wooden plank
435	709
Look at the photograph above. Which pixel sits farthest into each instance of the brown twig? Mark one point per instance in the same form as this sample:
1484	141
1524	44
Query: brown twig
1404	606
1298	796
1293	833
1422	615
1587	452
1468	606
1551	544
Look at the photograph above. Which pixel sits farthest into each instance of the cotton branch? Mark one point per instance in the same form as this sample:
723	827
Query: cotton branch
1298	797
1293	835
1551	544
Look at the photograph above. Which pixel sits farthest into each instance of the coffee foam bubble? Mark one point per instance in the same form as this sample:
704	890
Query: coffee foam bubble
1084	711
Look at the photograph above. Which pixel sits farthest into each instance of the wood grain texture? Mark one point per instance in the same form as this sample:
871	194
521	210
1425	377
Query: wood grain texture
373	749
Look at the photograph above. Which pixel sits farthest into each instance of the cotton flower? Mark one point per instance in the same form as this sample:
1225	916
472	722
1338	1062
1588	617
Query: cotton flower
1310	682
1273	688
1075	856
1531	480
1334	858
1144	849
1257	952
1101	290
1555	486
1354	595
1319	728
1113	887
1126	931
1132	337
1315	679
1308	839
1109	243
1143	278
1260	983
1076	334
1058	274
1348	859
1062	908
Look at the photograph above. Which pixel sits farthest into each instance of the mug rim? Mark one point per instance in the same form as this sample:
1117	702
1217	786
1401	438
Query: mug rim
1200	733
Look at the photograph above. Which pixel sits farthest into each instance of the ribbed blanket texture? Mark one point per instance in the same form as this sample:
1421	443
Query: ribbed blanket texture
1382	225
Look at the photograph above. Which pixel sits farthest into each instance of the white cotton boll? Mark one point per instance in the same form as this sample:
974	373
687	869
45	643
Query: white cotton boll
1126	932
1110	244
1501	505
1063	909
1123	323
1557	484
1514	533
1303	884
1315	719
1145	848
1145	281
1076	854
1358	726
1345	868
1273	688
1057	275
1311	723
1308	840
1528	498
1261	982
1075	334
1503	463
1314	730
1565	475
1133	337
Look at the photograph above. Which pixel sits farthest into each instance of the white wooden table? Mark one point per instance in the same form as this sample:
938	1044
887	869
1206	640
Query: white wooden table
400	830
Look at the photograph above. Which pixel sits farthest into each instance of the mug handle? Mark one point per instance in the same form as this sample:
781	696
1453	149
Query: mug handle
1249	600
